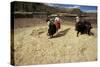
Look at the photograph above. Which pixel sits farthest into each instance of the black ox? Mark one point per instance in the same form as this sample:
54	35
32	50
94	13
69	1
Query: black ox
83	27
52	29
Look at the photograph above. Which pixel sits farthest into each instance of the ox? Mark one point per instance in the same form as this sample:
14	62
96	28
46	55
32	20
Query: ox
52	29
83	27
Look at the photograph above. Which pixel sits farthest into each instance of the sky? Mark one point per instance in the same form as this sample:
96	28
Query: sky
84	8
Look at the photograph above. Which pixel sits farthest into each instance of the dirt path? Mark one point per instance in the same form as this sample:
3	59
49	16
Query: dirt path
32	46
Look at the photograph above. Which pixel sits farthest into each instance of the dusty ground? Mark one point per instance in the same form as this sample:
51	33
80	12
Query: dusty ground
32	46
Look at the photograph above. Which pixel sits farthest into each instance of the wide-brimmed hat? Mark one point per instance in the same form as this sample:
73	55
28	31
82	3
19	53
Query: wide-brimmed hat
53	15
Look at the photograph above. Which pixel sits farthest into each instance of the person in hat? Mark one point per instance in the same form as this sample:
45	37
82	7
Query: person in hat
57	22
77	19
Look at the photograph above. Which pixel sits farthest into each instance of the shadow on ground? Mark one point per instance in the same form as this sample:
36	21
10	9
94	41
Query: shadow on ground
61	33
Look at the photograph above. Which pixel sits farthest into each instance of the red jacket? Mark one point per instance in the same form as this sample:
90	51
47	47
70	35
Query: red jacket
57	23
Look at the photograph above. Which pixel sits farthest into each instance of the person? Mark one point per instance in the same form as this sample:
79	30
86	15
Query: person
50	22
77	19
48	18
57	22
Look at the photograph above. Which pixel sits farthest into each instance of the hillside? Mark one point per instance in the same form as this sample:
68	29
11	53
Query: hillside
40	7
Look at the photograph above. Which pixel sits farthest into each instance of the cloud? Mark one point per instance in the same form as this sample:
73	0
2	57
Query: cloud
73	7
62	5
52	5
